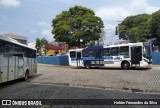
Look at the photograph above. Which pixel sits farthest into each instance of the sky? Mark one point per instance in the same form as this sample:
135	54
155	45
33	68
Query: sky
33	18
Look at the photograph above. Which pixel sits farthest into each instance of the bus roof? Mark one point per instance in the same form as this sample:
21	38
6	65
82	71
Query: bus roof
94	48
2	37
79	49
128	44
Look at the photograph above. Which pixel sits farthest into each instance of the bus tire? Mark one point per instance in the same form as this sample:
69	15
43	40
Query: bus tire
125	65
88	65
26	75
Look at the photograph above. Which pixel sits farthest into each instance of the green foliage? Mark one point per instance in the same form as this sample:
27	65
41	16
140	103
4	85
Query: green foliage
78	25
38	45
41	45
136	28
155	25
91	43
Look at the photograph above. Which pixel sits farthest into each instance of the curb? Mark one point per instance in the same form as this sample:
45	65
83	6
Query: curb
129	90
50	65
153	66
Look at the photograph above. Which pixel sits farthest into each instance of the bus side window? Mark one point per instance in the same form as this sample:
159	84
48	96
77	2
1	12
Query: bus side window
19	55
24	51
91	53
72	54
1	46
6	47
124	51
84	53
11	47
88	53
115	51
96	53
106	52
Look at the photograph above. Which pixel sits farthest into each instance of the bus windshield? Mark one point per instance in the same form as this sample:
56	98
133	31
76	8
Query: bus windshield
146	50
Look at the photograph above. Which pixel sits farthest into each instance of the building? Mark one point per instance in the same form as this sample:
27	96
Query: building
122	42
61	45
54	50
20	39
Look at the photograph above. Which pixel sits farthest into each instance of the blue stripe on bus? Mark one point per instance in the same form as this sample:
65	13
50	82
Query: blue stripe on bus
87	58
98	58
108	57
76	59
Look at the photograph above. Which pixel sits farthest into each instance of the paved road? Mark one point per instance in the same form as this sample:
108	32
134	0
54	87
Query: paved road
142	80
28	90
67	83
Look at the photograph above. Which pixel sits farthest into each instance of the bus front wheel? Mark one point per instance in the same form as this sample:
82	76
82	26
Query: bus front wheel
87	65
125	65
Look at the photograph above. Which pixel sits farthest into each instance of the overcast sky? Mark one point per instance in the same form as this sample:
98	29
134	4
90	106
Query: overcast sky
32	18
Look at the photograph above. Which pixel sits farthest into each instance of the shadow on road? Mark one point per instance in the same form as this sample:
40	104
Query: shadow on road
108	68
34	77
13	82
9	83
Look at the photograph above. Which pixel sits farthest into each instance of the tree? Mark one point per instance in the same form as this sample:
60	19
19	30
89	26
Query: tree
41	45
136	28
155	25
77	26
44	42
38	46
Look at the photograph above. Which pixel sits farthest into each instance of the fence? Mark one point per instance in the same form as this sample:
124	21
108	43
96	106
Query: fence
155	52
156	58
54	60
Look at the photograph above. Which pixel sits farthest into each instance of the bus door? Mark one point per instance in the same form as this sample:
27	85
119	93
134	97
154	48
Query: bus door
11	67
136	55
4	68
79	56
98	57
20	66
0	67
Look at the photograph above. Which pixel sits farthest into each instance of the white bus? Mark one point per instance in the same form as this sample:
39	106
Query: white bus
16	60
123	55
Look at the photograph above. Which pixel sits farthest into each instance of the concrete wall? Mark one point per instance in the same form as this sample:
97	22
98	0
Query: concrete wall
53	60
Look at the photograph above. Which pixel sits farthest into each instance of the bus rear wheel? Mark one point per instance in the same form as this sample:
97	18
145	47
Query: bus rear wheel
125	65
26	75
87	65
